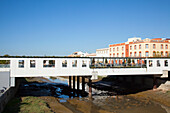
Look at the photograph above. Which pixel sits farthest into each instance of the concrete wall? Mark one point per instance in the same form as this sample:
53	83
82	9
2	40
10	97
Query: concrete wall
4	79
7	95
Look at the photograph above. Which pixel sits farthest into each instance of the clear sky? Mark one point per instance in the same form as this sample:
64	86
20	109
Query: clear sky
61	27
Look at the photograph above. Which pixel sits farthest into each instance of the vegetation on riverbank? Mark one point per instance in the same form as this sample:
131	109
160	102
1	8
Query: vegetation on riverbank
27	105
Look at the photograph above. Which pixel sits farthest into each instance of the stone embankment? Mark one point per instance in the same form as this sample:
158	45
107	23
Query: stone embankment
7	95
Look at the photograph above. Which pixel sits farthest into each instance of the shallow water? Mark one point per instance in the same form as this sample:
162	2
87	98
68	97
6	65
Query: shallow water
57	88
63	81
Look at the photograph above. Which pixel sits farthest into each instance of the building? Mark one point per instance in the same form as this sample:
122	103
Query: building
91	55
78	54
81	54
104	52
136	47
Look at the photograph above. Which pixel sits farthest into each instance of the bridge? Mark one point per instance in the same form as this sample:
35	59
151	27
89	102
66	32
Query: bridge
82	66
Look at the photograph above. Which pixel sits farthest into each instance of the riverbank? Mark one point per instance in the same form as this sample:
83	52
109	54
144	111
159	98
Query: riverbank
159	96
151	101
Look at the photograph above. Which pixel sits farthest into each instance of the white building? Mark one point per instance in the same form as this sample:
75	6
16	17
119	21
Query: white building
104	52
78	54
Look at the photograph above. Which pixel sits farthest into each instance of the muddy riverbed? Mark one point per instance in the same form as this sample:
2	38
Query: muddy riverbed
59	98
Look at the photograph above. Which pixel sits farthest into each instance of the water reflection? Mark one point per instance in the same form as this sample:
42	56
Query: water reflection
57	88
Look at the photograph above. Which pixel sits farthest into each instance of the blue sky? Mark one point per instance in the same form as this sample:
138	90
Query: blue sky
61	27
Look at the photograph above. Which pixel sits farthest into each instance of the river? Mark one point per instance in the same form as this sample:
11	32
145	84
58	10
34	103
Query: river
102	100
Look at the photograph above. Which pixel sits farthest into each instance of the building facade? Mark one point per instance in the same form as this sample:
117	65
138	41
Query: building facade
104	52
135	47
78	54
81	54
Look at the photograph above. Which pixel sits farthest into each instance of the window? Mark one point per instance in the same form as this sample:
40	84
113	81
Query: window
130	47
166	63
130	54
110	49
74	63
140	55
154	53
122	54
166	54
147	54
122	48
64	63
146	46
135	47
84	63
162	54
117	48
4	63
113	55
161	46
21	64
113	49
135	54
154	46
140	46
49	63
158	63
117	54
150	63
32	63
166	47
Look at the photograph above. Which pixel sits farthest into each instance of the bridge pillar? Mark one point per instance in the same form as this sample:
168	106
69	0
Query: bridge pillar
83	84
78	82
69	82
90	87
154	82
73	85
168	75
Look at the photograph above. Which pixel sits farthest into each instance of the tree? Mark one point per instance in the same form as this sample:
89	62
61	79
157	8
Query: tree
106	61
6	55
98	61
93	61
158	54
129	60
133	61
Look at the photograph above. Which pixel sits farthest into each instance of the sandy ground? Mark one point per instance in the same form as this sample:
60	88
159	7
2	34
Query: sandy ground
143	102
154	95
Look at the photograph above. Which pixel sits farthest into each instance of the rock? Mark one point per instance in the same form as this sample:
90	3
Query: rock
165	87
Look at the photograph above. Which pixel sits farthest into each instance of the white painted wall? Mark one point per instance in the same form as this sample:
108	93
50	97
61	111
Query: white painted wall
58	70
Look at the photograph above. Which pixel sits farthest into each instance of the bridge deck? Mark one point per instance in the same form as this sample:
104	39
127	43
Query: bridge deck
65	66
